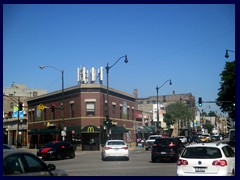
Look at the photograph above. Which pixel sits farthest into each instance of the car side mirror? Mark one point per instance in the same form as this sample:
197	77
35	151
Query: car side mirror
51	167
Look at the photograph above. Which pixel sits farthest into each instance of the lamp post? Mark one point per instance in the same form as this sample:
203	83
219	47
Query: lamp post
157	88
108	104
227	55
62	106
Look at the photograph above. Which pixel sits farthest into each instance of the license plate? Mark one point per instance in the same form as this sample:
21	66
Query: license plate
163	153
116	149
199	169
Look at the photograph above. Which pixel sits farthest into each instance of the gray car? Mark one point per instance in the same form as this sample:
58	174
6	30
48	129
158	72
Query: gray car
23	163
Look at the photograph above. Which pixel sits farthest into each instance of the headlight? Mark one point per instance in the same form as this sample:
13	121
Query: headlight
50	152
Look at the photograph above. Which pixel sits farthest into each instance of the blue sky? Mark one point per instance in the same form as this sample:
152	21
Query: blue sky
182	42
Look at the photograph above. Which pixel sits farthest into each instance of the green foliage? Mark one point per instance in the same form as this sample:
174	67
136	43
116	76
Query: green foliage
226	94
177	111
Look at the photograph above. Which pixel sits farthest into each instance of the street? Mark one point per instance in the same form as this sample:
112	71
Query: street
89	163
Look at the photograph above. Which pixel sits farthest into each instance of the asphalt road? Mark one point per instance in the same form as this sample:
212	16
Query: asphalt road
90	164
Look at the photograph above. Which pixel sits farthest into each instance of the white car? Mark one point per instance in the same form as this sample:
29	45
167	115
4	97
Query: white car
115	149
183	139
207	159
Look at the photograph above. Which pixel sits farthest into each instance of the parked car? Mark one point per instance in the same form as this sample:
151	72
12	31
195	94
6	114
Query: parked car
6	146
215	137
206	159
166	149
115	149
183	139
56	150
23	163
205	138
150	141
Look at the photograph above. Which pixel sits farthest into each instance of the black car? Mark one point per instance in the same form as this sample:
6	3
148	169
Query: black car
56	150
166	149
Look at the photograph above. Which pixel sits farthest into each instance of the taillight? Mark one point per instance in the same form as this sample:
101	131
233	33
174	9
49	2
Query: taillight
107	148
182	162
125	147
221	163
171	144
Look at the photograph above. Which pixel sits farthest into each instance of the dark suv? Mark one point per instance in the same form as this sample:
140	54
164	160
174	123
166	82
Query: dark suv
166	149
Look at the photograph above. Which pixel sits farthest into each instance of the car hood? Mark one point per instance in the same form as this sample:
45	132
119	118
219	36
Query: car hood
45	150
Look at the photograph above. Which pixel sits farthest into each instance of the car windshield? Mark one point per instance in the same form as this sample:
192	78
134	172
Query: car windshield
164	141
153	137
201	153
50	145
116	143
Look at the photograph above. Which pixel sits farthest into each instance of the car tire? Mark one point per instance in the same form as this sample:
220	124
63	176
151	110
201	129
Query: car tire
72	154
127	158
59	156
154	160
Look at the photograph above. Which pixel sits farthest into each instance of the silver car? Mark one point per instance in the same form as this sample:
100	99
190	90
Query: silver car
23	163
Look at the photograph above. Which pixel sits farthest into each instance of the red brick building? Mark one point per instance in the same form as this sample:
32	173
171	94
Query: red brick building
83	116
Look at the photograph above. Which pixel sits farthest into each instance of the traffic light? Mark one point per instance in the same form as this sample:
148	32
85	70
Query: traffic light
110	123
20	106
53	107
200	102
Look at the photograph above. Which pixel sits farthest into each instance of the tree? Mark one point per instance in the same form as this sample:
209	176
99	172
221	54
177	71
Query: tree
212	113
177	111
226	93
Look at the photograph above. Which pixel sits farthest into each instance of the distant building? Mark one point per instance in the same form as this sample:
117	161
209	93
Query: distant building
15	125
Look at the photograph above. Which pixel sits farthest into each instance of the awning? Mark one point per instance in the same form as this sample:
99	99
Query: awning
90	129
118	129
76	129
148	129
33	131
47	131
141	129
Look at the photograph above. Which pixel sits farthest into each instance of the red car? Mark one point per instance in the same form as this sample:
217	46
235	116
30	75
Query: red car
56	150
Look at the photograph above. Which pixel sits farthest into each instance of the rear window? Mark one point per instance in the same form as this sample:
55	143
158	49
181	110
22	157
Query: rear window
202	153
164	141
116	143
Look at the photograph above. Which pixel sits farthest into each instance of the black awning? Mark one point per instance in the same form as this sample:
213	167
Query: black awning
118	129
33	131
148	129
76	129
48	131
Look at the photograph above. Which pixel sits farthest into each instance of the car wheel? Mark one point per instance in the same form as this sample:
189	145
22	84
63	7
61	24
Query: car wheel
72	154
59	156
154	159
146	149
127	158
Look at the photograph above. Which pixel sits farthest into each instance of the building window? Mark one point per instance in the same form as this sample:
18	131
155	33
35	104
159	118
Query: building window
121	112
114	111
133	114
45	114
11	105
164	98
90	109
128	113
72	110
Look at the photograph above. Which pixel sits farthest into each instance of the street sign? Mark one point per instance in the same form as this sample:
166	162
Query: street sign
41	107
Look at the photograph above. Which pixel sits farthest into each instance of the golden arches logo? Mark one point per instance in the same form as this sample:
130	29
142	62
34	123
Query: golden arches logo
90	129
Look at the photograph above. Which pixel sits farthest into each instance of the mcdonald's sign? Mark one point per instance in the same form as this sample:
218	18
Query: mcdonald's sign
90	129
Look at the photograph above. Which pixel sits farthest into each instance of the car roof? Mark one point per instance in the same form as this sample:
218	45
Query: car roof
211	144
7	152
115	140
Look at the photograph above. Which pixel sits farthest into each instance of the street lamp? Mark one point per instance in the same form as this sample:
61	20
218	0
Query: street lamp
157	88
107	69
62	106
227	55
